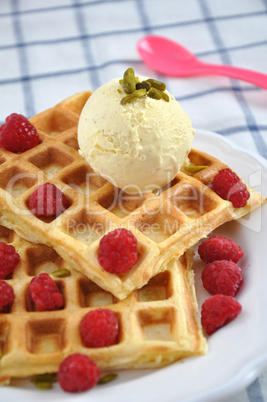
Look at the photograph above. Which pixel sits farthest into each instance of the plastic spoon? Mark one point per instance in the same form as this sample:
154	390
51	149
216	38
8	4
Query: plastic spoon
170	58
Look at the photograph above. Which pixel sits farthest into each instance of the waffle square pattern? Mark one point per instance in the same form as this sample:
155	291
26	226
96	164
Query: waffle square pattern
163	324
165	224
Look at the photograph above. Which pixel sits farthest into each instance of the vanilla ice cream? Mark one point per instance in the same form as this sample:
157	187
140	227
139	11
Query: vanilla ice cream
138	146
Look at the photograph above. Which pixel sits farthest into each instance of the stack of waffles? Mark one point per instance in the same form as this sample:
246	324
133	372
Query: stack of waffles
163	324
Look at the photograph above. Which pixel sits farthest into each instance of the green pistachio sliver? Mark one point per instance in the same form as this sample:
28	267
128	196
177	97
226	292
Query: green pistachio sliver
44	381
164	96
157	94
129	80
61	273
194	168
139	93
124	88
43	385
154	93
144	84
157	84
107	378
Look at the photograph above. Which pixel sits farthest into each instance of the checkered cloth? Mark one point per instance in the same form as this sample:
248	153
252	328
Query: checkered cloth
50	49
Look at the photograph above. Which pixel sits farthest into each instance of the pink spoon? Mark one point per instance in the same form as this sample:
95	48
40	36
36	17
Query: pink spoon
170	58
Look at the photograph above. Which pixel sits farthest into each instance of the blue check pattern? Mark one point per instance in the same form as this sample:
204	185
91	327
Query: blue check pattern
50	49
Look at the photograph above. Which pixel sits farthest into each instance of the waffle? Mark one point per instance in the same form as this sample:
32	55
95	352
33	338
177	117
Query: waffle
162	326
165	224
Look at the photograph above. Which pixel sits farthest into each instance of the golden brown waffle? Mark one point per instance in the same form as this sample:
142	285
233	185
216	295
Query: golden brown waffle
158	324
164	224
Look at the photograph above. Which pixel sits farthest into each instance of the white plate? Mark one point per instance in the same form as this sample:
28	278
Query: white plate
237	352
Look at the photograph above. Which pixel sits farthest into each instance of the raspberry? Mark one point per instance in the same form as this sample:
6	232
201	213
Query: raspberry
17	134
99	328
117	251
45	294
219	248
218	311
47	200
229	187
8	259
78	373
6	295
224	277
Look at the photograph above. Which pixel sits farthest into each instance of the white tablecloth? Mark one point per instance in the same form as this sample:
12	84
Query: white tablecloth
50	49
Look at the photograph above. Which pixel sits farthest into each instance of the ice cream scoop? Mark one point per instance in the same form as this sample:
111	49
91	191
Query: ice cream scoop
137	143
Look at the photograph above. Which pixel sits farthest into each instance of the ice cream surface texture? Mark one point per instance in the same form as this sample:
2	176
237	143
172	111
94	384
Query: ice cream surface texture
138	146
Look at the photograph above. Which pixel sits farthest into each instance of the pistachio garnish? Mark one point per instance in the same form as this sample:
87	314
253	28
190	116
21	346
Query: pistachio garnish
43	385
129	80
139	93
164	96
44	381
150	87
61	273
107	378
143	84
194	168
157	84
157	94
154	93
